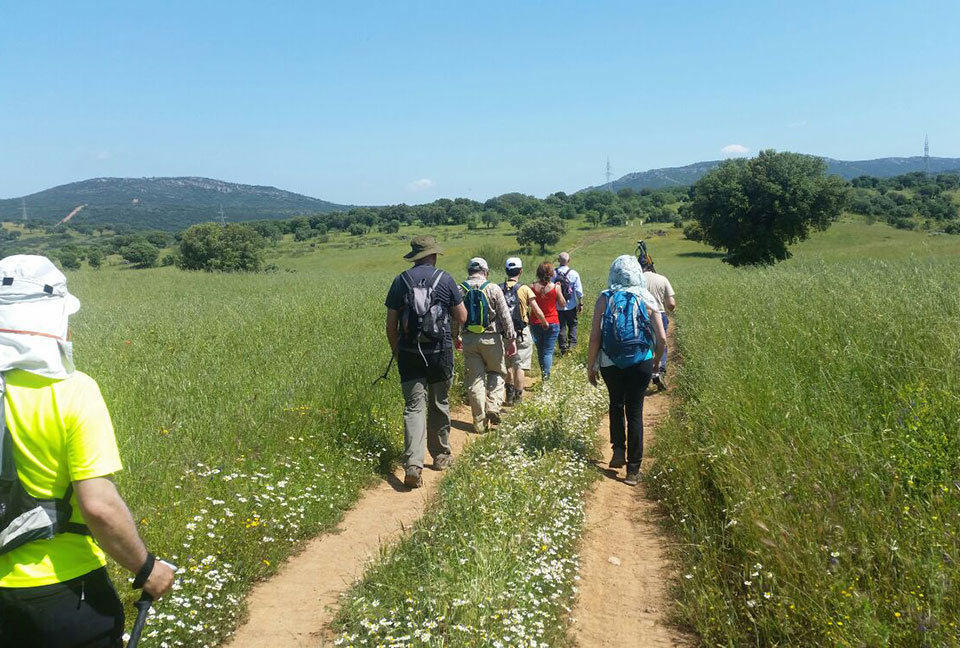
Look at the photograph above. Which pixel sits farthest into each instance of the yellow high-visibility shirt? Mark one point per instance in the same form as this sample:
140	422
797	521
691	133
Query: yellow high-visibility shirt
61	433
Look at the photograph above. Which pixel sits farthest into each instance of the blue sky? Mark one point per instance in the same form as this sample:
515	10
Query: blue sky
384	102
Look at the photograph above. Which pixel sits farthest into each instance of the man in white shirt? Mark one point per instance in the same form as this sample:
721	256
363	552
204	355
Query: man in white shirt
568	314
659	286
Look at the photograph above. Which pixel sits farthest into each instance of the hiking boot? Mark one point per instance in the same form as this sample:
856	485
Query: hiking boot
412	478
493	418
619	459
633	477
442	462
660	381
517	396
508	401
480	428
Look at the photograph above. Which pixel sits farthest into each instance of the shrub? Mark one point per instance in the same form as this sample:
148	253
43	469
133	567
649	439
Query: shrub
232	247
140	253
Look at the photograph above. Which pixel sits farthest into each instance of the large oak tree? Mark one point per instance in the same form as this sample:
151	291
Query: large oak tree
755	208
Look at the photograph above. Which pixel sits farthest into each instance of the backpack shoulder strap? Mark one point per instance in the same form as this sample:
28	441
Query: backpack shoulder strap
435	280
405	276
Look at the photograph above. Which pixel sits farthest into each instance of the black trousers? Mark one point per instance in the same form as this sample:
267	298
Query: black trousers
568	329
627	388
84	612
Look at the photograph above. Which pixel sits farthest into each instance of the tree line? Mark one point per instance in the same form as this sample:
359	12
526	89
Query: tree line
753	209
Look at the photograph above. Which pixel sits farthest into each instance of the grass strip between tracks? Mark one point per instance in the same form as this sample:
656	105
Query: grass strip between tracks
494	561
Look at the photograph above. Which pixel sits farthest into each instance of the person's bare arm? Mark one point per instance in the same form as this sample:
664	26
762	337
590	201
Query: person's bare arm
593	349
393	329
660	335
671	303
561	302
535	310
110	522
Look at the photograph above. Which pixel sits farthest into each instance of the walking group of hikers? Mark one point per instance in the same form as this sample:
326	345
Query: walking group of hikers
61	515
497	325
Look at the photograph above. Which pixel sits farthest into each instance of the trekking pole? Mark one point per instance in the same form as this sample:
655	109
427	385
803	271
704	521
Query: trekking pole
143	606
385	373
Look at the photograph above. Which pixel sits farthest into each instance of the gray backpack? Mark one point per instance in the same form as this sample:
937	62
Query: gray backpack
23	517
423	321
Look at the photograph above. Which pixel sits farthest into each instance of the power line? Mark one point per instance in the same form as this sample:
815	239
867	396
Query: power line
609	171
223	219
23	210
926	154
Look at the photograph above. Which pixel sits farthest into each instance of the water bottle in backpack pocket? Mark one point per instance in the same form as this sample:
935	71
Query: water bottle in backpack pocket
422	320
626	332
478	307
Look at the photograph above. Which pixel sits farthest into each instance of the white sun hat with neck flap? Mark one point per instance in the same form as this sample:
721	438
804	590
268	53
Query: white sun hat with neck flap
34	308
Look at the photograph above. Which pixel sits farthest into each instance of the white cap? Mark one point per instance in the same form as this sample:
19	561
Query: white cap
514	263
477	263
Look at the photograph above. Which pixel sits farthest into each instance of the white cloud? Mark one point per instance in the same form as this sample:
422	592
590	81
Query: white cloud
421	185
103	155
797	124
734	150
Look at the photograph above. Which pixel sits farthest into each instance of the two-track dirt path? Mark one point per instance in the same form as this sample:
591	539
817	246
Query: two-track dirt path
295	607
624	570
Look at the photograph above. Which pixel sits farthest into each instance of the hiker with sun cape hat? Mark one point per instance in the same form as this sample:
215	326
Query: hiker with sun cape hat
626	340
420	304
60	514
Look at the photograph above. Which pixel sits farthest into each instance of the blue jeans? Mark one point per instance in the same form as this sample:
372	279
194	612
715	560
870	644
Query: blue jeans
666	322
545	339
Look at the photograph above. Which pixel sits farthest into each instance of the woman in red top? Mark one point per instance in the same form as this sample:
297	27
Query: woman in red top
545	335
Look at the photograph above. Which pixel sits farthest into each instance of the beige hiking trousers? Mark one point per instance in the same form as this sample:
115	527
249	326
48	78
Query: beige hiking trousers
484	371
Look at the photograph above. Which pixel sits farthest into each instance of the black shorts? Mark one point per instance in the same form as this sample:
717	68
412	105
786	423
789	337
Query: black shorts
84	612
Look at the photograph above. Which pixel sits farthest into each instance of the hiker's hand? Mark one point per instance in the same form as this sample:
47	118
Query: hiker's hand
512	348
580	307
592	376
458	344
160	580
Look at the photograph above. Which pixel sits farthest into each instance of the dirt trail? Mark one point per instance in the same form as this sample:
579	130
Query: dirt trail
623	599
295	607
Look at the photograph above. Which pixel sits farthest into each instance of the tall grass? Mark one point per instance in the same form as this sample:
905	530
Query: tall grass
245	418
493	561
813	473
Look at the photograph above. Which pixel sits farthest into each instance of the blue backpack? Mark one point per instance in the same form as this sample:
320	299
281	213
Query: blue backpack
626	332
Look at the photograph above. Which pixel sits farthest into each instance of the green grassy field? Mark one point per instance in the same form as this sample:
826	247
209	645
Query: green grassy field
811	473
247	422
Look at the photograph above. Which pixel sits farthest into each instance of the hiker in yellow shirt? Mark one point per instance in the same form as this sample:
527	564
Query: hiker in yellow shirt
60	514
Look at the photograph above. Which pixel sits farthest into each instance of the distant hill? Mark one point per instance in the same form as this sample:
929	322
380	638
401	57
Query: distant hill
687	175
161	203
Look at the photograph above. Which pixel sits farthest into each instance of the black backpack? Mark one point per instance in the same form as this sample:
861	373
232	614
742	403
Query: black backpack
23	517
566	286
512	297
423	322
